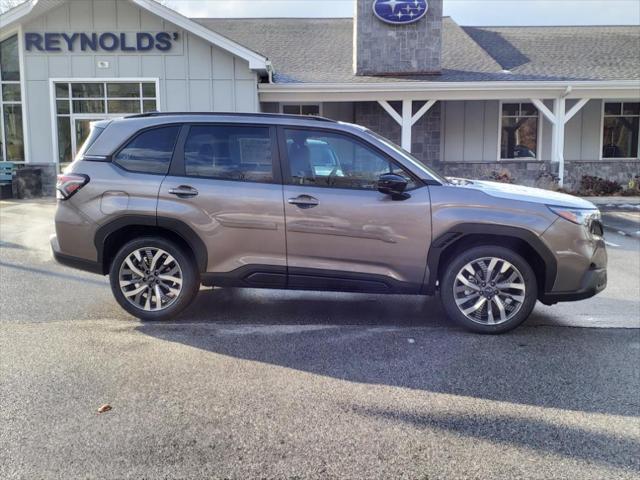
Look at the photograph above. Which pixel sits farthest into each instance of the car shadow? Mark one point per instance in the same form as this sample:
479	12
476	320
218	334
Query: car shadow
537	434
405	341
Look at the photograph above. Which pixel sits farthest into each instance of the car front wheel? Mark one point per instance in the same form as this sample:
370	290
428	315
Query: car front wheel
153	278
489	289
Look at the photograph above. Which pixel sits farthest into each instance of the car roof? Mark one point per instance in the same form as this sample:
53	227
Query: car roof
122	128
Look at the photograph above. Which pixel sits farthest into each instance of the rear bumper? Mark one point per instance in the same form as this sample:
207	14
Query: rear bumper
71	261
593	282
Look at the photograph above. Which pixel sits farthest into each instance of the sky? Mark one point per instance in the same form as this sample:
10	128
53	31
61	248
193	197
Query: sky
465	12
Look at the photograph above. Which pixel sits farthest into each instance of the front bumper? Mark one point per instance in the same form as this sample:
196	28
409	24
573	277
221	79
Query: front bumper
71	261
593	282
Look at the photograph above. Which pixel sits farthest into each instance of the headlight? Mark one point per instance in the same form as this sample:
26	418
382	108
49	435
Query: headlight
579	216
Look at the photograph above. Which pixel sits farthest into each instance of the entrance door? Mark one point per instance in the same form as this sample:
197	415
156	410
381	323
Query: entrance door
341	232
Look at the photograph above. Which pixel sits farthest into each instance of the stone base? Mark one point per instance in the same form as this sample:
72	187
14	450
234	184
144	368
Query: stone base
533	174
619	171
48	177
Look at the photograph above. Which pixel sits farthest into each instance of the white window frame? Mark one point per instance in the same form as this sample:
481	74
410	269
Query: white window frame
22	82
538	140
300	104
601	133
53	106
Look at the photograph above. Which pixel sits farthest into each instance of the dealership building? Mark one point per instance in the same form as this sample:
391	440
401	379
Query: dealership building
539	105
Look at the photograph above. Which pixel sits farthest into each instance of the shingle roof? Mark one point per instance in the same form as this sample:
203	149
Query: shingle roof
591	53
314	50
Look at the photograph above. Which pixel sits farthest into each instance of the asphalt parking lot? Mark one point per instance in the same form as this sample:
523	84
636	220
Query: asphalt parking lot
275	384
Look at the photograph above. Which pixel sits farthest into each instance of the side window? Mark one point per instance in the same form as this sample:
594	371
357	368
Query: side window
326	159
229	152
149	152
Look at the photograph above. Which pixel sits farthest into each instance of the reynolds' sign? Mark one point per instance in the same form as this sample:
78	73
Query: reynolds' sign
138	42
399	12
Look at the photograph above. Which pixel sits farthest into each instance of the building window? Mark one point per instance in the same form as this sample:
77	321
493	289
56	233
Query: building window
80	103
519	131
11	134
300	109
620	130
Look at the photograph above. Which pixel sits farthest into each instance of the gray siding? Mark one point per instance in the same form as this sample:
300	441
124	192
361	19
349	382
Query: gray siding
194	75
583	132
470	132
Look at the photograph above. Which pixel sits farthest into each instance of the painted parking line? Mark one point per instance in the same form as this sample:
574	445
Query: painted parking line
610	244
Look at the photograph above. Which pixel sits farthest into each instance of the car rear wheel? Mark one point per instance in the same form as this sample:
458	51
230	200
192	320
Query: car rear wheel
153	278
489	289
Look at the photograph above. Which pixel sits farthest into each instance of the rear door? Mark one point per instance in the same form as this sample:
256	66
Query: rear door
224	184
341	232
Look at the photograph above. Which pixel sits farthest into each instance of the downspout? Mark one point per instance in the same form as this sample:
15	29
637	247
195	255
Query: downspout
560	119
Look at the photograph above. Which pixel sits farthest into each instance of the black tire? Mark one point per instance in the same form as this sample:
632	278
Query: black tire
519	314
175	302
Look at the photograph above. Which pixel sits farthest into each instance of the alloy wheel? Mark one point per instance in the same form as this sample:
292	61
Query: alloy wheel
489	290
150	278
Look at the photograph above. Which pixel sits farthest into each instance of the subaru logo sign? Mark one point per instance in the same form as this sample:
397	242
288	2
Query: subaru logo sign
400	12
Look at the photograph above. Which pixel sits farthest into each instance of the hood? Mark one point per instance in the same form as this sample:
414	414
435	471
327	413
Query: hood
524	194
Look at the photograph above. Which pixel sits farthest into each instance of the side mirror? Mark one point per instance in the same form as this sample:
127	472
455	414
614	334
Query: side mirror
394	185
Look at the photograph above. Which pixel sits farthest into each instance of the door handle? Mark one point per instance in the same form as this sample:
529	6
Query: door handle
184	191
304	201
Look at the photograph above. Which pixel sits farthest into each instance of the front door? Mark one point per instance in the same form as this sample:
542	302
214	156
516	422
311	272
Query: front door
224	184
341	232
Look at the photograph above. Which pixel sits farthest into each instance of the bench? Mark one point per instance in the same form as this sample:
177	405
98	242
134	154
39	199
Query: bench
7	170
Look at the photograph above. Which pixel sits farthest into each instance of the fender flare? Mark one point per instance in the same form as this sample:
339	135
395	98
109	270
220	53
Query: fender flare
173	225
460	231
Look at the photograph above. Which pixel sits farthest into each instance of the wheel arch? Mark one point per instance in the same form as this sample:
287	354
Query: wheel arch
467	235
111	236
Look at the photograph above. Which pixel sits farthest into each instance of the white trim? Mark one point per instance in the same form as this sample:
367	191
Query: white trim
23	99
391	111
72	116
601	158
256	61
54	124
542	108
538	133
515	90
16	13
575	109
424	109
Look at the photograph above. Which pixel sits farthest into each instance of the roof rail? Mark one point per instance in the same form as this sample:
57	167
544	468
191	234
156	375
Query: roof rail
233	114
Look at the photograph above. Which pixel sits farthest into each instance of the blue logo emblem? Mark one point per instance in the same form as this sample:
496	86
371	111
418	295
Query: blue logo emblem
400	12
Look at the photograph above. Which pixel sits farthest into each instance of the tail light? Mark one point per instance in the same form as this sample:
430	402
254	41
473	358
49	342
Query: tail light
69	183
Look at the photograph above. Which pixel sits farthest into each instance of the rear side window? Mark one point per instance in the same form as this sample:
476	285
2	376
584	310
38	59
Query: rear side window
229	152
93	136
150	151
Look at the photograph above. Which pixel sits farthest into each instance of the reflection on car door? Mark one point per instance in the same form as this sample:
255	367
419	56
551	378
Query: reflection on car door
224	183
341	232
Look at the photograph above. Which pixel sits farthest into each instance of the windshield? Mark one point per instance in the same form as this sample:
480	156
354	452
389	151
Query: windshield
408	157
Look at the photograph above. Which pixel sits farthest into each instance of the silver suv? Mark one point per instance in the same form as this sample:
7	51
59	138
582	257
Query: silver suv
166	202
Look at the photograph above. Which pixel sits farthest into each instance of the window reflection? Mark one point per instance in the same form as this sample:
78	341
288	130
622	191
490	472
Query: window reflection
620	130
11	133
519	131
